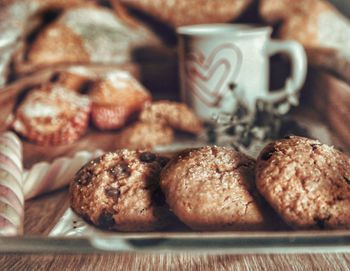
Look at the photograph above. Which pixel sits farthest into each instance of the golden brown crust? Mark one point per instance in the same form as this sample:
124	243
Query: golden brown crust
306	182
116	98
186	12
301	19
211	188
57	44
44	5
130	92
176	115
120	191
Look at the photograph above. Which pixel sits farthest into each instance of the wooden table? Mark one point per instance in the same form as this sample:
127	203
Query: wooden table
53	205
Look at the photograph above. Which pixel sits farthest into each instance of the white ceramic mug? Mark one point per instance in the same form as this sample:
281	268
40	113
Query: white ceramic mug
217	59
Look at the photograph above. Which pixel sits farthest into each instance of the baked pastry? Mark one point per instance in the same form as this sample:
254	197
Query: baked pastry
176	115
142	135
185	12
52	115
88	34
120	191
314	23
115	98
212	188
306	182
43	5
318	26
69	47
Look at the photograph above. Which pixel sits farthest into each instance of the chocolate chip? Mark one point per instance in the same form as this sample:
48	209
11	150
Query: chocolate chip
124	167
267	154
347	180
119	171
114	171
84	176
314	146
163	160
158	197
113	193
105	220
148	157
214	151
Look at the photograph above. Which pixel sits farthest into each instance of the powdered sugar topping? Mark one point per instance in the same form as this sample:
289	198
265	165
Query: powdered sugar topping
122	80
38	109
80	70
50	104
104	36
62	94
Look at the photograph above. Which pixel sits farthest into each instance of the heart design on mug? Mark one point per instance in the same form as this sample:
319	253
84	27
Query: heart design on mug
208	76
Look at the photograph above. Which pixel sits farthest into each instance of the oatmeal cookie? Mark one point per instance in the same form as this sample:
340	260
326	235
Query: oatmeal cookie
306	182
212	188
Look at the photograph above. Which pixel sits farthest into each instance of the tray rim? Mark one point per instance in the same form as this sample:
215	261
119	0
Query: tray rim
237	243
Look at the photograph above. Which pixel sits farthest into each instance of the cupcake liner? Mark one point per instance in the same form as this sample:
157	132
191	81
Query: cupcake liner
108	117
70	132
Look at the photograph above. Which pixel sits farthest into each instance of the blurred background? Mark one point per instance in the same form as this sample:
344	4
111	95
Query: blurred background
342	5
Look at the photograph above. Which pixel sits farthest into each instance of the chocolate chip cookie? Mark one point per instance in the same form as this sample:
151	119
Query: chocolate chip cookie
306	182
212	188
120	191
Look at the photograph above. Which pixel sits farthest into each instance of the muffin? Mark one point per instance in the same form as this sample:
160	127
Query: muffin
52	115
116	98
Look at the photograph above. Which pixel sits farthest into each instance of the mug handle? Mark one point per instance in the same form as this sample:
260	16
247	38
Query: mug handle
298	58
